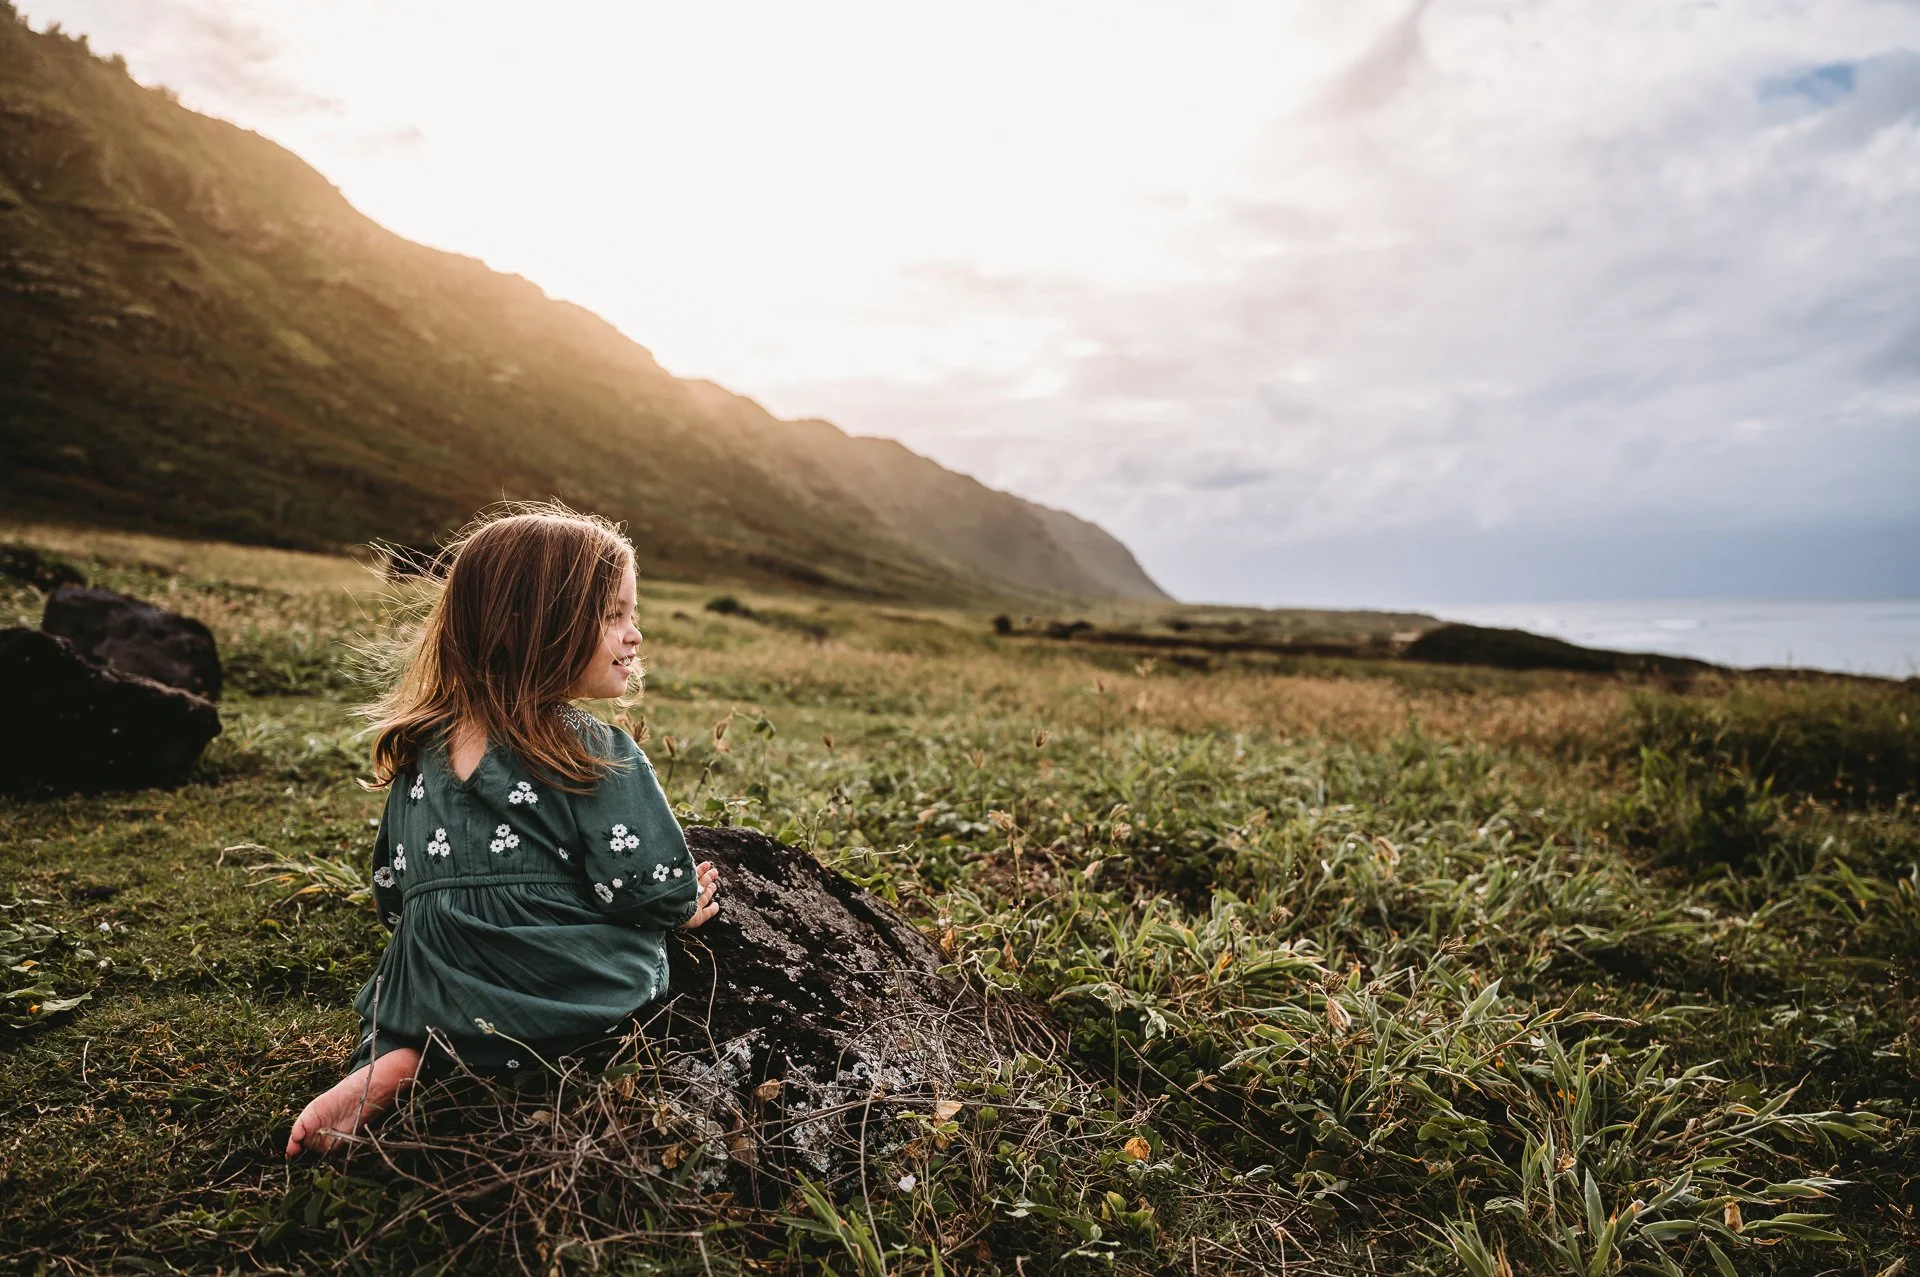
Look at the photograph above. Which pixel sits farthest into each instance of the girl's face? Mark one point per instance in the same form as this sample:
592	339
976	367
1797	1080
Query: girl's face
614	662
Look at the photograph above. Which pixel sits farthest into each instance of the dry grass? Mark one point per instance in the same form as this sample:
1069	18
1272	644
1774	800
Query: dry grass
1068	687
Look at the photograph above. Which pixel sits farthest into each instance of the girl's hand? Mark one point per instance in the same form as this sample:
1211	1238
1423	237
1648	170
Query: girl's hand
705	906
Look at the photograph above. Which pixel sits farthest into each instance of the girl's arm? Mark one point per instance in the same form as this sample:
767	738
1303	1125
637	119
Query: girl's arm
386	889
634	854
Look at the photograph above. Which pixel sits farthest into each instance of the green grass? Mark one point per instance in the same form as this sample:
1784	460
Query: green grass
1387	968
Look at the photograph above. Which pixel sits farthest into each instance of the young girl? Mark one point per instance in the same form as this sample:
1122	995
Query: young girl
527	865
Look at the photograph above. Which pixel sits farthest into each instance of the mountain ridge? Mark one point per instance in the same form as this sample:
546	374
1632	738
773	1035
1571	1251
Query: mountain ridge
201	335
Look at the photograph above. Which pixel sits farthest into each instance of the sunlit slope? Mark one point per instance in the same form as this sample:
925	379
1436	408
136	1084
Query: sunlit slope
198	334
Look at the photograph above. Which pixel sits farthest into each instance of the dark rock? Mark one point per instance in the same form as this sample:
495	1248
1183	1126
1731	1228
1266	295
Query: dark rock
1003	624
727	605
810	982
136	637
1519	650
46	574
77	726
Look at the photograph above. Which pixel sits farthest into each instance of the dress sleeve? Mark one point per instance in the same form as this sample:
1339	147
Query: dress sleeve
386	890
636	860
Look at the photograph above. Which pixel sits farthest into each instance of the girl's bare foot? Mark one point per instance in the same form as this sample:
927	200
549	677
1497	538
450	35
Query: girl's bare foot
355	1100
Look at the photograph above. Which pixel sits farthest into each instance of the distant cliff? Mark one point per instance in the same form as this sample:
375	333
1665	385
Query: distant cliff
199	334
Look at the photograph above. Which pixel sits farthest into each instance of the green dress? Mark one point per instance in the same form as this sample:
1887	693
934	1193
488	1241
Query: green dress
526	920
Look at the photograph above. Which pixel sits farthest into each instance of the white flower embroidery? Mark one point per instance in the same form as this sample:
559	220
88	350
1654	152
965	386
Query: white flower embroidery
619	831
618	883
439	846
523	793
513	1064
504	839
659	873
400	857
676	872
419	789
383	877
622	840
562	853
393	920
603	891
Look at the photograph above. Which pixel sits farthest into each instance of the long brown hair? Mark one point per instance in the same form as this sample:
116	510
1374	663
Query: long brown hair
522	608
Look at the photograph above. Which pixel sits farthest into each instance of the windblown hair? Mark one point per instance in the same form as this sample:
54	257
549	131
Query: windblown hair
522	607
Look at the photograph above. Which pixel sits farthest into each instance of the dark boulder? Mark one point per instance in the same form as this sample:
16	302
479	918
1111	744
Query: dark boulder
77	726
809	996
1454	644
43	572
136	637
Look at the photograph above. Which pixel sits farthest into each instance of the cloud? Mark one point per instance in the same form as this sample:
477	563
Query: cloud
221	63
1382	71
1511	292
405	138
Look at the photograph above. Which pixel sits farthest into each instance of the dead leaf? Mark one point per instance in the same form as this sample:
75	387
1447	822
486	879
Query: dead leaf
944	1110
1138	1149
1730	1216
767	1090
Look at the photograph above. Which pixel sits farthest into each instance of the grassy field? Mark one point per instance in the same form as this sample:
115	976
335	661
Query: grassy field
1367	967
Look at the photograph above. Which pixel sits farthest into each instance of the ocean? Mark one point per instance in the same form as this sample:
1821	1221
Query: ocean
1874	637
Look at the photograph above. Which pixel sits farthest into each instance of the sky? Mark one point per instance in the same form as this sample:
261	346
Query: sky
1375	302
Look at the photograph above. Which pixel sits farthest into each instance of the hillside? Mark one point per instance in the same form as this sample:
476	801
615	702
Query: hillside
199	335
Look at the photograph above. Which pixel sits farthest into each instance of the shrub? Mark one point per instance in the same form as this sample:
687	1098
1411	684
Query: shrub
1694	813
1831	740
